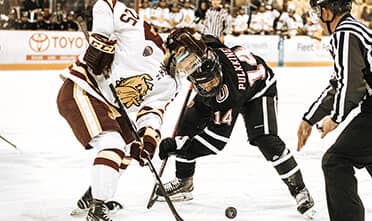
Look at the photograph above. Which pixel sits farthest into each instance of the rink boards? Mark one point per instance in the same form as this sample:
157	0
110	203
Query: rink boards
35	50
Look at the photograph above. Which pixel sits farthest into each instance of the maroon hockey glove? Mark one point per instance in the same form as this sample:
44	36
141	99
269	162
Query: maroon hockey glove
136	152
99	54
150	138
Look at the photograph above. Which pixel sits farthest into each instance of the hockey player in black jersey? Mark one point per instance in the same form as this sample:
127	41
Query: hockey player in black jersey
228	82
350	85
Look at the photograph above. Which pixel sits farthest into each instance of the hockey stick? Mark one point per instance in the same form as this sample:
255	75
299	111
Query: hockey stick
10	143
83	27
133	131
135	135
154	196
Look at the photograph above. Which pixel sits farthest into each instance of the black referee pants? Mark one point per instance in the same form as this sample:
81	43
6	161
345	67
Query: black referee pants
352	149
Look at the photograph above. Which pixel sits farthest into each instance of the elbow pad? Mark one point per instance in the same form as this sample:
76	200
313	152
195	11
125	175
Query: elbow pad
100	53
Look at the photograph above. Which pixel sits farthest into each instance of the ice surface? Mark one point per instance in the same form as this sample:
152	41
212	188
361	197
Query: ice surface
50	170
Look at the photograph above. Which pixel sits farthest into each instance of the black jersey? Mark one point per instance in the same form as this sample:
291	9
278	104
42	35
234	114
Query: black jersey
351	83
245	77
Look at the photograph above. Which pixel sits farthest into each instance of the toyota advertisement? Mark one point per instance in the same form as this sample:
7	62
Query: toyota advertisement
39	47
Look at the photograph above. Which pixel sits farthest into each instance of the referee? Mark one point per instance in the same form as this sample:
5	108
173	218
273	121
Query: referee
351	49
217	21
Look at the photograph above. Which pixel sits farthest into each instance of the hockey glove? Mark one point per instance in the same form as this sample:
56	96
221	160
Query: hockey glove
169	146
100	53
146	150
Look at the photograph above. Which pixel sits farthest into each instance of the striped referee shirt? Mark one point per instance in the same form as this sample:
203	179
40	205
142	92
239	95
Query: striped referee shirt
217	22
351	83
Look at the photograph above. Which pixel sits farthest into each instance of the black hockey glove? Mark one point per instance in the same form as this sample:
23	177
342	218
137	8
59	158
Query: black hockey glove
169	146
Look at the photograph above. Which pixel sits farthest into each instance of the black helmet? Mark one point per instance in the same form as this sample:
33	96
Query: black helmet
189	56
208	73
337	6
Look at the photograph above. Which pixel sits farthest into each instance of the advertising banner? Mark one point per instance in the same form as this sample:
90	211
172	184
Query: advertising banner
29	48
295	51
57	49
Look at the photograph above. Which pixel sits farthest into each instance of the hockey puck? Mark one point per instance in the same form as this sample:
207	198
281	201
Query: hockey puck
231	212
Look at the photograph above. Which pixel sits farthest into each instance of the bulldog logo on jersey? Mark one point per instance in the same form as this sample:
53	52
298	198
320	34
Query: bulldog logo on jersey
132	90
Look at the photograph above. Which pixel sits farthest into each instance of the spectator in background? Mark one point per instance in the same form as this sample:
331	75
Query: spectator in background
258	21
240	22
59	13
80	9
70	23
89	17
301	6
54	24
25	23
4	7
271	13
145	11
312	28
29	5
160	17
217	21
289	22
32	7
188	15
41	23
12	22
175	15
200	12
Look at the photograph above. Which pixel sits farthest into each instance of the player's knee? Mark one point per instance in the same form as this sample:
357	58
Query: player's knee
271	146
108	139
110	158
112	150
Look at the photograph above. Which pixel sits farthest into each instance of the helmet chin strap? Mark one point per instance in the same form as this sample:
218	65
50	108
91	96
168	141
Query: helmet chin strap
169	67
328	23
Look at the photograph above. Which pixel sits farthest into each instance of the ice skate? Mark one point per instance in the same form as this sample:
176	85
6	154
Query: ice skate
98	211
84	202
305	204
113	206
177	190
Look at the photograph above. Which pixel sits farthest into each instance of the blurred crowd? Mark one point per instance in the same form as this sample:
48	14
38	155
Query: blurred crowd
258	17
40	15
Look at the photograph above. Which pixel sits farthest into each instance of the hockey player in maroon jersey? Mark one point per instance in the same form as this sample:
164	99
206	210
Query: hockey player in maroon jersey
123	54
228	82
